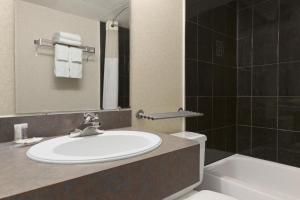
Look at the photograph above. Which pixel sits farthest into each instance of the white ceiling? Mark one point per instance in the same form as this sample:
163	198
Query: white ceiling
102	10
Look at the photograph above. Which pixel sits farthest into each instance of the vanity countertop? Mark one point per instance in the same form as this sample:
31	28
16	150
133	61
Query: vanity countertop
19	174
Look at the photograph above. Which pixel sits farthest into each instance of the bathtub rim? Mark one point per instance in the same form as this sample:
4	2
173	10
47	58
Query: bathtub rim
217	163
211	169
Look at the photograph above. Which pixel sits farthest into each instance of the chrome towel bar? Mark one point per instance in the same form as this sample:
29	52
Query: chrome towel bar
50	44
168	115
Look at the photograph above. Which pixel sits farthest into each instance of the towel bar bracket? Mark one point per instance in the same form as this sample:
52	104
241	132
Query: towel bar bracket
139	114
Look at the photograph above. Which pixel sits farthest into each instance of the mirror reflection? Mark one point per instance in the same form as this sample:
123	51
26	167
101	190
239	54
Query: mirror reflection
66	50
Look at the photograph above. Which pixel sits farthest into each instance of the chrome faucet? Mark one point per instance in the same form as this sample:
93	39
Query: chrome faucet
89	127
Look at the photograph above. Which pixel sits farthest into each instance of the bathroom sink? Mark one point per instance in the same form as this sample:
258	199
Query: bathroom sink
109	146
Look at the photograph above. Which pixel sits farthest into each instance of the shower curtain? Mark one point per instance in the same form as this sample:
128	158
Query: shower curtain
111	67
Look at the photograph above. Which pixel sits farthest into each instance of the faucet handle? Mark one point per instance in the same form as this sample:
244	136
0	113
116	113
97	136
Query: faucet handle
90	117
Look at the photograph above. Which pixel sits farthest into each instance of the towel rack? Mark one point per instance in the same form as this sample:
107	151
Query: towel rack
168	115
50	44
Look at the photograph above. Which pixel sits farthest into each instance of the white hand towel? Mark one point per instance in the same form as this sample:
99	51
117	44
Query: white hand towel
61	60
75	70
67	41
75	55
68	36
61	69
61	53
75	62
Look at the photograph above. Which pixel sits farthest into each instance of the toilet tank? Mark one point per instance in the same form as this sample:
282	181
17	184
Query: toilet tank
201	139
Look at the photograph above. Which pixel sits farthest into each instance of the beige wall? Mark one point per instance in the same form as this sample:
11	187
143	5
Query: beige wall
157	61
37	88
7	100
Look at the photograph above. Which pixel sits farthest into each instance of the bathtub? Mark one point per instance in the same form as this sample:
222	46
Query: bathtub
247	178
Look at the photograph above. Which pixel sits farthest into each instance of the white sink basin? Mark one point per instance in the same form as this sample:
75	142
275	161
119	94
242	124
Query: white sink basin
112	145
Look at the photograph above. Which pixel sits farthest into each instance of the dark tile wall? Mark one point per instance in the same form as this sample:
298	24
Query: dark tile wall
251	106
211	74
268	104
124	64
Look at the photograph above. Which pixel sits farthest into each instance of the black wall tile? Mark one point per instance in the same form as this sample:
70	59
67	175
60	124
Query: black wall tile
264	47
231	139
191	76
206	18
244	111
245	52
244	140
224	50
224	20
264	143
211	42
265	80
259	1
257	83
192	10
213	155
273	82
192	105
224	111
220	19
265	33
242	4
245	23
204	44
231	22
289	82
224	81
191	41
289	113
265	14
244	81
205	106
205	79
289	30
289	148
232	4
223	139
264	112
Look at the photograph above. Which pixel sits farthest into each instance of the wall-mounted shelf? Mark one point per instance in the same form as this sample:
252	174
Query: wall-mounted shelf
168	115
50	44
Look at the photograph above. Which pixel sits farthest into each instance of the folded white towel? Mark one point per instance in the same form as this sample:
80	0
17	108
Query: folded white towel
67	41
75	55
61	60
75	70
61	69
61	53
75	62
68	36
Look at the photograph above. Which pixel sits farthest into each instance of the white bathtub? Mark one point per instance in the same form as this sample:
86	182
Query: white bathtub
247	178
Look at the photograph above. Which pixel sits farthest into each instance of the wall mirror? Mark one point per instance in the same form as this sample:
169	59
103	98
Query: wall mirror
71	55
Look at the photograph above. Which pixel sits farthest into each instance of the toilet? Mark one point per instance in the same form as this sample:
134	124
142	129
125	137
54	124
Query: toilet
204	194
